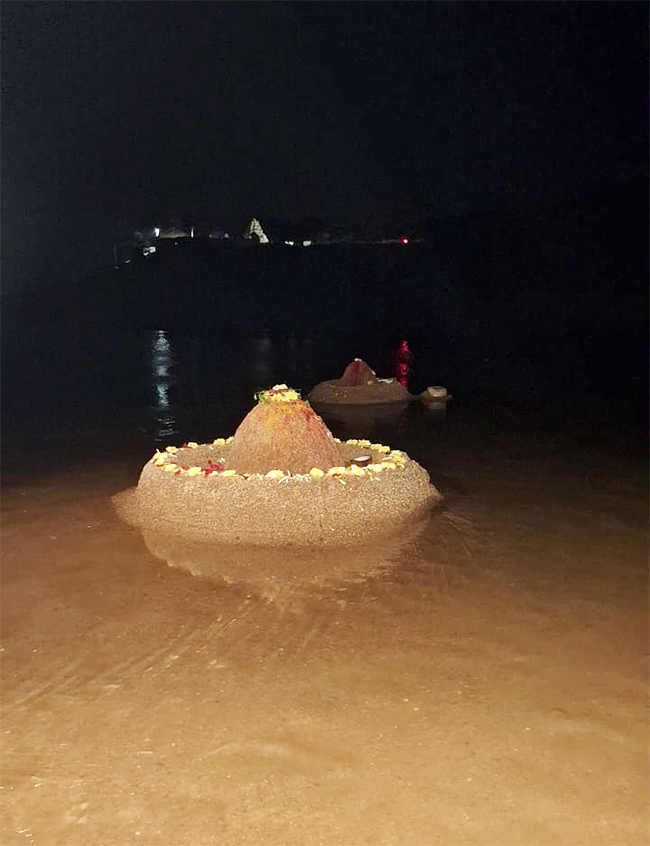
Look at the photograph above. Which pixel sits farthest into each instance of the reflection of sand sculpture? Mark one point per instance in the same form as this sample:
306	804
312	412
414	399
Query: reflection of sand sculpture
268	570
281	479
355	421
359	385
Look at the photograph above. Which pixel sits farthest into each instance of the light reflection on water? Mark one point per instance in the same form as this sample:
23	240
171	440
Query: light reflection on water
359	421
270	571
175	386
185	375
432	547
402	363
162	361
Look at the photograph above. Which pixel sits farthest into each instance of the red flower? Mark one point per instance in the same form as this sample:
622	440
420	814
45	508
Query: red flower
213	467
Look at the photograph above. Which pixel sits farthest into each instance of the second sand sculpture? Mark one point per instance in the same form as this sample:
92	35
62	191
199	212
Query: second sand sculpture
281	479
359	385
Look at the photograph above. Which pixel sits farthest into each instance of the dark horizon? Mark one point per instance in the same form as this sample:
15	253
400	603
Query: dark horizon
376	113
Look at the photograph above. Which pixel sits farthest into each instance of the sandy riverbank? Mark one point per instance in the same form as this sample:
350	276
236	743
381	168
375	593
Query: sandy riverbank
483	684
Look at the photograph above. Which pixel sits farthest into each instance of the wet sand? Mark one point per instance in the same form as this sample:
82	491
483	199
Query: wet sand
483	683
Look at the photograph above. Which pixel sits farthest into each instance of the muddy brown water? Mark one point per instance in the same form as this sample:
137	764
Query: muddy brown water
483	681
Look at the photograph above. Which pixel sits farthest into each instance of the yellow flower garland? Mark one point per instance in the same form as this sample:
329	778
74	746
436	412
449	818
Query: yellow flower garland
394	459
278	393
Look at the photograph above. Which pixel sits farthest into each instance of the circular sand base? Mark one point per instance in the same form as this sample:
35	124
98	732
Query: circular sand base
181	492
333	392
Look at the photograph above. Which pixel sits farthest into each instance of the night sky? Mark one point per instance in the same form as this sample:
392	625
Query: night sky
118	116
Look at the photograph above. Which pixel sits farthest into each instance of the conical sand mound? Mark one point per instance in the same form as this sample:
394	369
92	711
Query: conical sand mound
359	385
283	432
281	479
358	373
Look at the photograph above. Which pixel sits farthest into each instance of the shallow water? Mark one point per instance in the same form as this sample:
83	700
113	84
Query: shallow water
482	680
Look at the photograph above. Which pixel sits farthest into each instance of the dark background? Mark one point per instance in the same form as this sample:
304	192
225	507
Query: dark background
508	140
117	116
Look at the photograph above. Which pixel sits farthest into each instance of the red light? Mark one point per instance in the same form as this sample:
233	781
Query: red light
404	240
402	363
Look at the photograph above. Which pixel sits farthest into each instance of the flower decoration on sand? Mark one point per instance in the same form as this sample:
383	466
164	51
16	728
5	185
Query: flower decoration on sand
267	446
281	478
278	393
383	459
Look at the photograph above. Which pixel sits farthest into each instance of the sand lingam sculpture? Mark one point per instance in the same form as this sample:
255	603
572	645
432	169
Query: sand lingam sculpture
359	385
281	479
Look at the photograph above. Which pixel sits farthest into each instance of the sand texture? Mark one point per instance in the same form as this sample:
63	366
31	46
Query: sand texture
333	391
293	510
359	385
283	435
482	682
